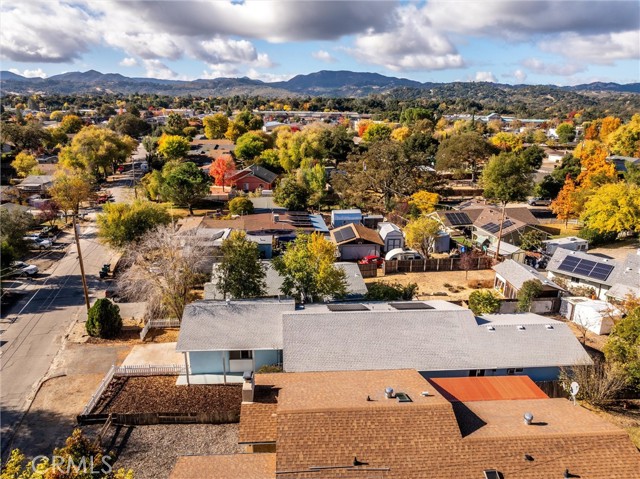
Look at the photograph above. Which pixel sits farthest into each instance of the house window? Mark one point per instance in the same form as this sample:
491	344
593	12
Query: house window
476	372
394	243
519	370
240	354
511	371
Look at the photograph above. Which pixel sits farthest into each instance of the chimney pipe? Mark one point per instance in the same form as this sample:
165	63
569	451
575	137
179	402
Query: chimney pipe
388	393
528	418
248	387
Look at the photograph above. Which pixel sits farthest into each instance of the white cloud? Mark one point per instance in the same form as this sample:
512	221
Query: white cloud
323	56
411	43
38	73
485	76
128	62
157	69
563	69
268	77
601	49
520	75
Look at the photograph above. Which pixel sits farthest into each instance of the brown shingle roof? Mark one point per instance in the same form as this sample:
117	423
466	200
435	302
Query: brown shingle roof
225	466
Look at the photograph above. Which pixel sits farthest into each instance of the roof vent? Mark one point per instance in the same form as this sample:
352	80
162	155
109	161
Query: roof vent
424	393
491	328
548	326
388	393
521	328
528	418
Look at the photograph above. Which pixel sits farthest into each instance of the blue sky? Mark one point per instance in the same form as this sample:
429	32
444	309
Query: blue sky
517	41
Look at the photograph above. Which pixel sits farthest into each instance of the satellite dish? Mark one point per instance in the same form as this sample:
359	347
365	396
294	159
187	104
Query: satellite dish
573	390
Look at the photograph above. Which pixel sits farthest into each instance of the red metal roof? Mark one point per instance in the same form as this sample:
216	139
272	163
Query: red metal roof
488	388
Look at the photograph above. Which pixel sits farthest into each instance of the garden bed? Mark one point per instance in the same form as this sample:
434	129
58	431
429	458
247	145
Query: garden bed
159	394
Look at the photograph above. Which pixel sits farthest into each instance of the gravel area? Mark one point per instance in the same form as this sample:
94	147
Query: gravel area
160	394
151	451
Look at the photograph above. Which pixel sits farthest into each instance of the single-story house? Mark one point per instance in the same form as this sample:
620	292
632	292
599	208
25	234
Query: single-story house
396	425
202	150
266	204
626	279
593	314
486	225
343	217
36	183
583	269
620	162
355	241
391	235
436	338
252	178
507	251
282	226
572	243
356	287
511	275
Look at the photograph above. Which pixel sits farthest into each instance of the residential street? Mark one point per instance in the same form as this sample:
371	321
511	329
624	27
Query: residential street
33	329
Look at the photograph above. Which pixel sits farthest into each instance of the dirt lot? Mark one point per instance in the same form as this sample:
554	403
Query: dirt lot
432	282
151	451
618	250
160	394
628	419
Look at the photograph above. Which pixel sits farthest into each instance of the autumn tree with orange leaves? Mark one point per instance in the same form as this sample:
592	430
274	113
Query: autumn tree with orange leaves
593	159
221	170
565	205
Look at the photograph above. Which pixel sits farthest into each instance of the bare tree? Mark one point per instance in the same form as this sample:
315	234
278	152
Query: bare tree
162	269
599	384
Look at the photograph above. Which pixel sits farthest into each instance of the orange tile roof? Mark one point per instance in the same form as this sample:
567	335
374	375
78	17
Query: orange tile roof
225	466
492	388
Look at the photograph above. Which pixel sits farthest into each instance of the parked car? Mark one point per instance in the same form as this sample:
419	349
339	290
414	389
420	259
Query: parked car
372	259
20	268
403	255
36	242
539	202
50	232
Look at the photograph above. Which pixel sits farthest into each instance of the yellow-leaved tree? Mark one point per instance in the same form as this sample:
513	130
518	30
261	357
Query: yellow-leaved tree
422	233
593	159
613	208
425	201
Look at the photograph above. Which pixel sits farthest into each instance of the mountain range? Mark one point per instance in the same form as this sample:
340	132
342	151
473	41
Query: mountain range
322	83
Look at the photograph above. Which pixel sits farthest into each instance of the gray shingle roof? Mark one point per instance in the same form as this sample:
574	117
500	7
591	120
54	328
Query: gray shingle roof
236	325
262	173
431	340
560	254
517	273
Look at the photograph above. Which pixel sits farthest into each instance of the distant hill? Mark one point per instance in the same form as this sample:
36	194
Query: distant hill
322	83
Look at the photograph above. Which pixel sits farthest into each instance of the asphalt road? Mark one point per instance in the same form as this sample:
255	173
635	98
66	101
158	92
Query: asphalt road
33	329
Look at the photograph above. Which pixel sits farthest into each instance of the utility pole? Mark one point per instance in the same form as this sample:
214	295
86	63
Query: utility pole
84	278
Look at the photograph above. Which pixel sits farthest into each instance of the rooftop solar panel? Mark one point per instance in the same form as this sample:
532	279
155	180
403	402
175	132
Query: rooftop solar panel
457	219
410	305
491	227
507	223
585	267
347	307
348	234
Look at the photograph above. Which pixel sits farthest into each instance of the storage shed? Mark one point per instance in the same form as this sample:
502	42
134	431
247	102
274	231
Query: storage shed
344	217
391	235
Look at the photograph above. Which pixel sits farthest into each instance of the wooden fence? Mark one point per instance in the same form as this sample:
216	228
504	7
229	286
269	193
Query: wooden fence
437	264
553	389
144	419
368	270
158	323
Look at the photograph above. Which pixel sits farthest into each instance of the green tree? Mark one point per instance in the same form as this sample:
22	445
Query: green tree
121	224
632	175
103	320
484	301
548	188
292	194
532	240
173	147
235	130
175	125
422	233
308	270
240	205
507	178
24	164
240	274
151	183
566	133
15	225
623	347
596	238
130	125
530	290
465	151
533	156
412	115
251	145
215	126
184	184
391	291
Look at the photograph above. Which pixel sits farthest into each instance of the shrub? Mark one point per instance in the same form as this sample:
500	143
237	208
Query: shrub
484	301
241	205
595	238
395	291
530	289
269	368
599	384
104	319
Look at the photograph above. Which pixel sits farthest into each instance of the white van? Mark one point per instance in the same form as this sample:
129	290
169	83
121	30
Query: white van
402	255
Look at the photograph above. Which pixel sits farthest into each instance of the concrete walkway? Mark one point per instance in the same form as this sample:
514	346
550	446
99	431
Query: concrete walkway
160	354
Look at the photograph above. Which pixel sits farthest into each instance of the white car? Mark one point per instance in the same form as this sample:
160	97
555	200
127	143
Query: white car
403	255
21	268
37	242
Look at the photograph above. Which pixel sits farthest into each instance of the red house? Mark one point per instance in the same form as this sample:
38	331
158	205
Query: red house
252	178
